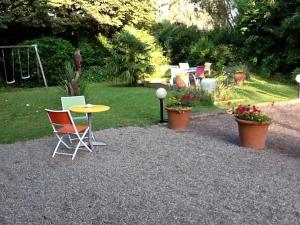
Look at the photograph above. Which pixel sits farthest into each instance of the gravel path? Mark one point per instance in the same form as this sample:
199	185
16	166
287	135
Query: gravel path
155	175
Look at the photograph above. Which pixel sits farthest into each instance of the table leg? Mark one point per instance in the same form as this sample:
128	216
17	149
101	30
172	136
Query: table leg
90	131
91	142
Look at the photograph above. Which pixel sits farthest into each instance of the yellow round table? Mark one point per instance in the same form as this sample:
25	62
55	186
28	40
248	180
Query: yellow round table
89	109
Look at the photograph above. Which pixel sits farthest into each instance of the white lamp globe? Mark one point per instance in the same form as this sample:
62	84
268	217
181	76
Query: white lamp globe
298	78
161	93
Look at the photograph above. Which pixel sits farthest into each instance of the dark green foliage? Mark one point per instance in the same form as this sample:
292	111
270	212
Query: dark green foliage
26	19
271	33
54	52
205	50
94	74
183	43
93	54
176	40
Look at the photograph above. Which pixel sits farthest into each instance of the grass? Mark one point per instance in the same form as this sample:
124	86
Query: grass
22	114
258	90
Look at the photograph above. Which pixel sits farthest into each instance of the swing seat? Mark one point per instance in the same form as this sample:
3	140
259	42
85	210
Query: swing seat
11	82
25	77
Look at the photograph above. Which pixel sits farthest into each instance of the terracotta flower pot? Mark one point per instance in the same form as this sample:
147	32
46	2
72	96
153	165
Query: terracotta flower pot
178	118
239	78
180	81
252	134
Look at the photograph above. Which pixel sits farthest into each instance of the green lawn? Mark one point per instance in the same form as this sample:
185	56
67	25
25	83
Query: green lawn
22	114
258	90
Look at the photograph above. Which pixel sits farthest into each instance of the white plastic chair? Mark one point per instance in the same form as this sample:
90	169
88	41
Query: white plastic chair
184	66
207	67
63	124
174	71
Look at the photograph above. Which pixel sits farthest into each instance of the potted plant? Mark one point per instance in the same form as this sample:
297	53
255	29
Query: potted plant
179	106
182	80
240	74
253	126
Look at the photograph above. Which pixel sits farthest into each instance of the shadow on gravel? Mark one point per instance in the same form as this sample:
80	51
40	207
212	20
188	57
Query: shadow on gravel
283	136
284	144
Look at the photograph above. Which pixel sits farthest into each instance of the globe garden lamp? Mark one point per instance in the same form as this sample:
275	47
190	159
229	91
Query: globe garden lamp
161	93
298	81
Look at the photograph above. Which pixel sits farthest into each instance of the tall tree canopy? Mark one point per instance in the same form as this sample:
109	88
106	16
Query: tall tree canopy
221	11
27	18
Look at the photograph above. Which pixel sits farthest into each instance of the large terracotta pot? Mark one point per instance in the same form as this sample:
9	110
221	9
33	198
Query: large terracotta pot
178	119
239	78
252	134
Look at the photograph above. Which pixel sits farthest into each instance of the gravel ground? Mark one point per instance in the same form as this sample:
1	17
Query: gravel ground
155	175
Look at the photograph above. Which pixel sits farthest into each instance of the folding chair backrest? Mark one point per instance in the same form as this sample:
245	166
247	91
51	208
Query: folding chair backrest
59	117
67	102
184	66
199	72
207	65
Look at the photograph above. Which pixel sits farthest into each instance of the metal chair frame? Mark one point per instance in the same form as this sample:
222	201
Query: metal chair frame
62	119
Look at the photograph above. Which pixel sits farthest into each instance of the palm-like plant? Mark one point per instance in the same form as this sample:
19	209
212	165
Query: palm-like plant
130	56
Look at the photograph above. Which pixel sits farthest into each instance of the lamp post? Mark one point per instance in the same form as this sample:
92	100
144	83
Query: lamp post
161	93
298	81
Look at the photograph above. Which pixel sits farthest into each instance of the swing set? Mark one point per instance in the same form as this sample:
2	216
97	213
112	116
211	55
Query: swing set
16	63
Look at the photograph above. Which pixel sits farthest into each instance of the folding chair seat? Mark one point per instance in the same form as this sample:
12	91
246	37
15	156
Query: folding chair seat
63	124
67	102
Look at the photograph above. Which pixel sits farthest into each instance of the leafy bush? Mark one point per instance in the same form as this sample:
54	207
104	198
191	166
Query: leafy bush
205	50
93	54
94	74
134	54
54	52
200	51
176	40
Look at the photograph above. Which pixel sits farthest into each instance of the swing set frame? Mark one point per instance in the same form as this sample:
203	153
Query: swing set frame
34	46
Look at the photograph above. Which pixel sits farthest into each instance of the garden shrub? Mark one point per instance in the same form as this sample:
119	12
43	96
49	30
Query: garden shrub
200	51
205	50
176	40
54	52
134	54
93	54
93	74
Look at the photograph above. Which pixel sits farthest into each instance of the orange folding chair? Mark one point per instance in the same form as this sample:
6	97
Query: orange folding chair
63	124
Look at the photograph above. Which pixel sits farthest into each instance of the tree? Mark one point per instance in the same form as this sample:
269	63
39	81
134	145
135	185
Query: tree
221	11
271	33
72	19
